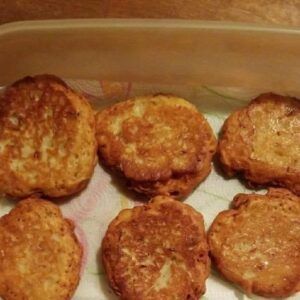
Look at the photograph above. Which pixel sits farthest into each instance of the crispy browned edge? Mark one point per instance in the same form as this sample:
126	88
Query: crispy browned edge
42	77
34	200
71	189
178	188
238	201
257	174
110	239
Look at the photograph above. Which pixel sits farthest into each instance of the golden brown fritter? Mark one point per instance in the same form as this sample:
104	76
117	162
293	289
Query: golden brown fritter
262	142
257	243
157	251
47	138
161	144
40	257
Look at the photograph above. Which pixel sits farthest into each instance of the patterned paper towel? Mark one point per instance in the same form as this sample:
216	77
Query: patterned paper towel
94	208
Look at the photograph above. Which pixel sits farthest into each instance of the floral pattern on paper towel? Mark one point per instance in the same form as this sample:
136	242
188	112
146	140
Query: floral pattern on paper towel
85	247
82	207
115	90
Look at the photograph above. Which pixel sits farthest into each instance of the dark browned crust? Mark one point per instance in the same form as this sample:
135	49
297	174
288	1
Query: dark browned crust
47	138
177	187
142	241
160	143
256	244
40	254
236	145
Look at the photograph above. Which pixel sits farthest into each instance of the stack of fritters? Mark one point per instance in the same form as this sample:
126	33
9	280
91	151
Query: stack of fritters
161	144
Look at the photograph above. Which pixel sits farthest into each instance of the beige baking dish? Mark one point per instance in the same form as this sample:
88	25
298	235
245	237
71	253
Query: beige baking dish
188	58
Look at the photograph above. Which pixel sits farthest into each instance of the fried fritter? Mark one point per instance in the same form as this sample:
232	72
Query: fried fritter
157	251
47	138
257	243
40	256
262	142
161	144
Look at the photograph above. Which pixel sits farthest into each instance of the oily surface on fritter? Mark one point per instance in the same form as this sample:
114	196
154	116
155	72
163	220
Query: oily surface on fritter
47	141
262	141
156	139
157	251
257	243
40	257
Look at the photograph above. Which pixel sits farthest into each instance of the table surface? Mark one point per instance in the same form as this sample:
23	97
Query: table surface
282	12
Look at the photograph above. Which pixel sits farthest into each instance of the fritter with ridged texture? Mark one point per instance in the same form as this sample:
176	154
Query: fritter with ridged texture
256	244
157	251
40	256
47	138
262	142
